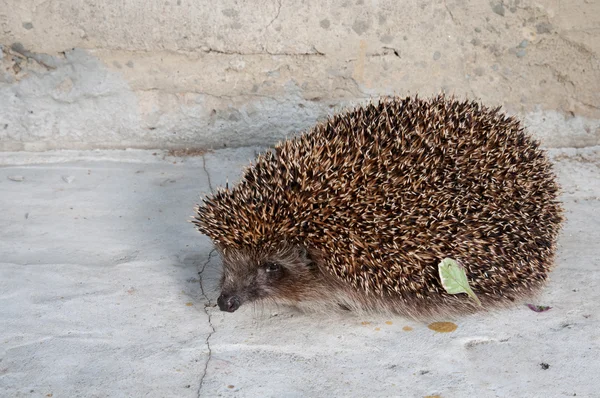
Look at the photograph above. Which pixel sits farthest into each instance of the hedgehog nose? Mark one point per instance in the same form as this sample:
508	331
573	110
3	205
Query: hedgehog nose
228	303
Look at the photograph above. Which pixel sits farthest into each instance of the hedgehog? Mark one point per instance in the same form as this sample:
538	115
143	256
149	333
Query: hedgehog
356	213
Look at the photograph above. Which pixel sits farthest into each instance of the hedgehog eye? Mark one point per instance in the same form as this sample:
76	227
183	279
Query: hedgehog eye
272	267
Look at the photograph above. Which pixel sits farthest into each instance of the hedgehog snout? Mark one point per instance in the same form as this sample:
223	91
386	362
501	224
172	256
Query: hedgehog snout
228	303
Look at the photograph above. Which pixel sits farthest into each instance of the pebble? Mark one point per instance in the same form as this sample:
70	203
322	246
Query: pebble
499	9
16	178
521	53
524	44
544	27
68	179
436	55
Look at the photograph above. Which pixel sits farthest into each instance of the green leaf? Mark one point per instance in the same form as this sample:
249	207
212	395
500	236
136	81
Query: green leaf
454	278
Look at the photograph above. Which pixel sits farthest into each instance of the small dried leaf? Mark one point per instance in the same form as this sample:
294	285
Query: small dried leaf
538	308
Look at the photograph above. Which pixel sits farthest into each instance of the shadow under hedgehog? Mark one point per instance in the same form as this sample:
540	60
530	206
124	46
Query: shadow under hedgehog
358	212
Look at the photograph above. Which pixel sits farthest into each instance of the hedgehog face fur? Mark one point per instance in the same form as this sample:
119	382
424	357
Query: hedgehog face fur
285	274
358	212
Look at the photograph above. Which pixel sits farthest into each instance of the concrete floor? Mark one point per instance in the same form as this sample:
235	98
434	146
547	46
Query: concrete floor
106	291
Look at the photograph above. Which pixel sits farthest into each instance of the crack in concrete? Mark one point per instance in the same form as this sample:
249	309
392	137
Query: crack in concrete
578	46
315	53
278	99
593	106
165	90
276	15
208	177
19	49
207	304
450	13
386	51
193	53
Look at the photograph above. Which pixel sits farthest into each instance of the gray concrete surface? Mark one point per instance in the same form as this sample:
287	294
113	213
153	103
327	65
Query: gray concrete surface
174	73
106	291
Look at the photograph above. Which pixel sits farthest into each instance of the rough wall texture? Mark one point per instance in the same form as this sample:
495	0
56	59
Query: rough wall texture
201	73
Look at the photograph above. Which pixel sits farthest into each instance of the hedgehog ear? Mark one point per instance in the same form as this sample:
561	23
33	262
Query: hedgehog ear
304	255
302	251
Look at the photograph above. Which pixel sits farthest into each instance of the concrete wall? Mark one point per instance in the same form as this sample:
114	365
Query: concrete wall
205	73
